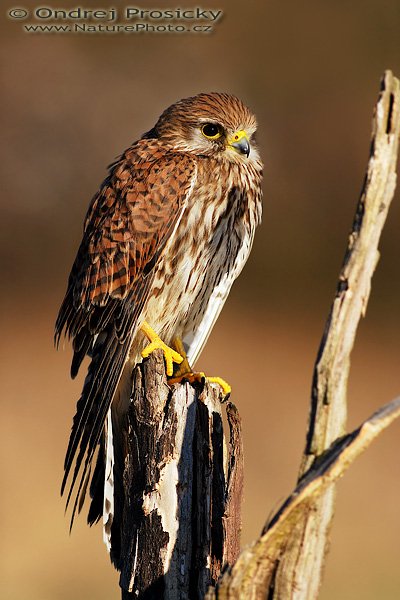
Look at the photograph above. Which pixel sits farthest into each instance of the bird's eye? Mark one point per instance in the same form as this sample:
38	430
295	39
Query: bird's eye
211	131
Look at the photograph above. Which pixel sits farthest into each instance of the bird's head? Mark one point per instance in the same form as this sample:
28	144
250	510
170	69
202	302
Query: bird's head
214	124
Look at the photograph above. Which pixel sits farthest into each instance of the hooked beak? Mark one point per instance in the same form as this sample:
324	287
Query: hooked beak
240	142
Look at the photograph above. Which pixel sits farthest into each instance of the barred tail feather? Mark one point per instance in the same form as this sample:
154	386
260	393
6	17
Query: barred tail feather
108	359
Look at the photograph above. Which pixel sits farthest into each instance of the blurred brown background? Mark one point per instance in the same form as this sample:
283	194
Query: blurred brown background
71	103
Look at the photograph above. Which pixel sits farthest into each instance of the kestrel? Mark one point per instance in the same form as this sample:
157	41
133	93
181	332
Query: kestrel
166	235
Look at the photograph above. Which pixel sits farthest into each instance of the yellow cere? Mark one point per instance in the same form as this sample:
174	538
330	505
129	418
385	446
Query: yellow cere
237	136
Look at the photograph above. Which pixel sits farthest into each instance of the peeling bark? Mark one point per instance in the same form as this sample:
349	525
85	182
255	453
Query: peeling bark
182	494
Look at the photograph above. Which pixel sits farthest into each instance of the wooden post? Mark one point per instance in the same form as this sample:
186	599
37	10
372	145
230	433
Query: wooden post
182	488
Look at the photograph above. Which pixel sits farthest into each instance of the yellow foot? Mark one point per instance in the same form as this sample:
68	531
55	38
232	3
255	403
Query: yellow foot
199	376
156	343
226	388
184	371
190	376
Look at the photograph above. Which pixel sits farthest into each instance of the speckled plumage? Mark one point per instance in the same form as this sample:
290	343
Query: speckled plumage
164	238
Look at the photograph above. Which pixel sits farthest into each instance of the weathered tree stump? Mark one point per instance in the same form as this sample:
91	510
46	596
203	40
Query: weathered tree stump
182	488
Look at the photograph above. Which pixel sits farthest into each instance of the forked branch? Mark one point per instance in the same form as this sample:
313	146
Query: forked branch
286	562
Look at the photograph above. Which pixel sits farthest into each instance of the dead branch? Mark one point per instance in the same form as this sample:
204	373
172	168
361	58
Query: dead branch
287	560
253	574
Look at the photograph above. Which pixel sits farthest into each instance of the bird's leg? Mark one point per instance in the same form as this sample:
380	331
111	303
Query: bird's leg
156	343
184	371
184	368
